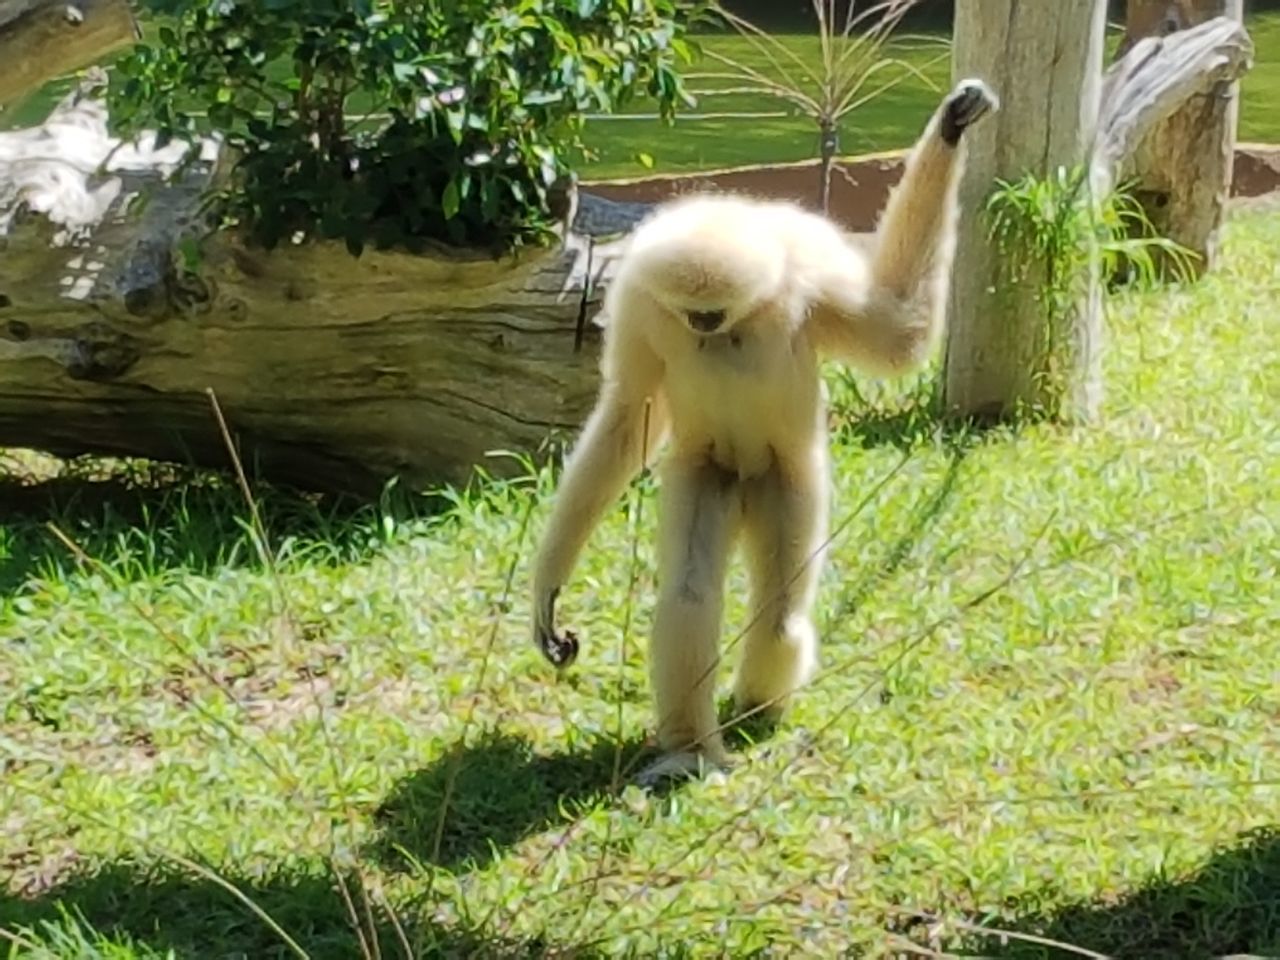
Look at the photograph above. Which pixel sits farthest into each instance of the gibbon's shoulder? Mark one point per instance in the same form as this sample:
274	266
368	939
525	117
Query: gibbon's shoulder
734	217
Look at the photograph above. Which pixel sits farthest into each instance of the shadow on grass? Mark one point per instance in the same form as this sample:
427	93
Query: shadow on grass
926	515
179	519
1228	908
163	910
499	792
906	427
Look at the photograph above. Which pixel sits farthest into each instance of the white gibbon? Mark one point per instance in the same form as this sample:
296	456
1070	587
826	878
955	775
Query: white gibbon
719	314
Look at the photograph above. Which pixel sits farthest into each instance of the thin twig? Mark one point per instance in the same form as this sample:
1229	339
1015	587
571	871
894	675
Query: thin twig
372	949
17	939
83	558
183	861
353	918
765	603
838	715
623	634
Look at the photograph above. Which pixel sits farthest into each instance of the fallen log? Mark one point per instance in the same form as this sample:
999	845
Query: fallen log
335	373
44	39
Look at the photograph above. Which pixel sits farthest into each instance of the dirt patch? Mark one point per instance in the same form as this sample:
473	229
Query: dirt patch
860	185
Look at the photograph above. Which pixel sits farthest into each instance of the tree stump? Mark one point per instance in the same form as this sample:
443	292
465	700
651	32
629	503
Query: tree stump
1058	110
1184	165
1044	59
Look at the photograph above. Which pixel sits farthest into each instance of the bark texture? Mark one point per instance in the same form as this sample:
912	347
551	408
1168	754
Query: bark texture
44	39
334	372
1184	164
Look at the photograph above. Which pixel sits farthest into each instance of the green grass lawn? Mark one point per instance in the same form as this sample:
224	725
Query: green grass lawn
704	138
1090	754
888	122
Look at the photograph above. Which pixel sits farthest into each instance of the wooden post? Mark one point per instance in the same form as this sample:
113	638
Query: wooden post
1184	166
1044	59
44	39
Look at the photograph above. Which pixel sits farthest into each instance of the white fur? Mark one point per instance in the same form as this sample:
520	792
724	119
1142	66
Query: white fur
743	410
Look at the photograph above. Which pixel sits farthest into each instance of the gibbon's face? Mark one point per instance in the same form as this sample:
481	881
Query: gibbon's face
710	261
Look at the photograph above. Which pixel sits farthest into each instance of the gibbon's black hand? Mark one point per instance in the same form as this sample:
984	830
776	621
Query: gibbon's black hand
971	101
561	650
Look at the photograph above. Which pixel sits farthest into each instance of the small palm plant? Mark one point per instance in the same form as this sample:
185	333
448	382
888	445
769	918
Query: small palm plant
860	59
1056	234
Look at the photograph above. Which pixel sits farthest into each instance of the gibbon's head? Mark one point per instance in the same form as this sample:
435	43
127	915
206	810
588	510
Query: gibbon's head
709	260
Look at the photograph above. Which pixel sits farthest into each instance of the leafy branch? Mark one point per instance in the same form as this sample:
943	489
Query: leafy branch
480	107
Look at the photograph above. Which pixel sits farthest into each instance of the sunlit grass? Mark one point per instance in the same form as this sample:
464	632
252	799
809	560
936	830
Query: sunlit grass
1084	753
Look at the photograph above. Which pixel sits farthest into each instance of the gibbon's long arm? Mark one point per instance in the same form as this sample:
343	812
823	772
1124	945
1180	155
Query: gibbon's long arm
623	431
889	322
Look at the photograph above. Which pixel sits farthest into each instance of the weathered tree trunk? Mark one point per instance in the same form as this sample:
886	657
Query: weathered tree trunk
334	372
1184	165
1002	354
43	39
1044	58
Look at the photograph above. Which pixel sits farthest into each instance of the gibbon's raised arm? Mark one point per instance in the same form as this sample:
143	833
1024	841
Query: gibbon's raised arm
889	320
612	449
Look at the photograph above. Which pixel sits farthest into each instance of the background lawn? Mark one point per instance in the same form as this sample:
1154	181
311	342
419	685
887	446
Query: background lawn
703	138
889	122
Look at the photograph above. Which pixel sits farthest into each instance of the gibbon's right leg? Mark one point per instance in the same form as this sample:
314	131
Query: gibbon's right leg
888	321
698	515
785	518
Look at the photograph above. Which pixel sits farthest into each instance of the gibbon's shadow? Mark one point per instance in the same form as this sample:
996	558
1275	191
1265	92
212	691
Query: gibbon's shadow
1228	908
895	557
920	419
499	792
179	518
162	909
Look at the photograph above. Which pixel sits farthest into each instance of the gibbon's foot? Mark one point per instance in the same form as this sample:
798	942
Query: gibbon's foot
968	103
560	649
681	765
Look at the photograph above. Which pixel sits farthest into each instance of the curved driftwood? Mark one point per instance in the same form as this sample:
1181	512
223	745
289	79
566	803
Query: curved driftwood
1183	164
1157	78
116	316
43	39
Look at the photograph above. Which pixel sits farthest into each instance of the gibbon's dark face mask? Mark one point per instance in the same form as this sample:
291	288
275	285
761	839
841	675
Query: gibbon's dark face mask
705	321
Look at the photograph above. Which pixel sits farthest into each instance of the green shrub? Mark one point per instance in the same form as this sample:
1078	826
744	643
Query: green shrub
395	122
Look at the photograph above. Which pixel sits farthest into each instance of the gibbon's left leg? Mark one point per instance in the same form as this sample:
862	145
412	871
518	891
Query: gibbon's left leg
785	518
888	321
698	516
